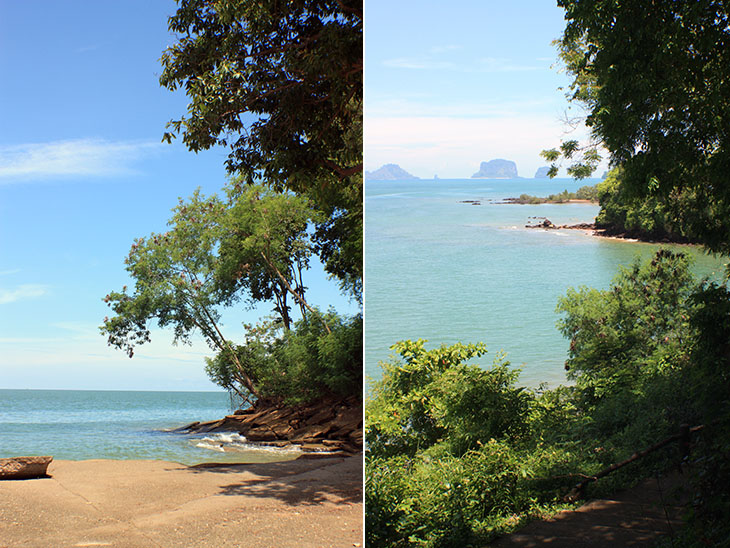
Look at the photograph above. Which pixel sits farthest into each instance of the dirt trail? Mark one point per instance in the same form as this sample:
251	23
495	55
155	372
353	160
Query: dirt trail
636	517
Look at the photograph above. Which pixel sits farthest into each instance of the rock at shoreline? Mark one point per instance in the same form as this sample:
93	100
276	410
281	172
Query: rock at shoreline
496	169
332	424
547	224
24	467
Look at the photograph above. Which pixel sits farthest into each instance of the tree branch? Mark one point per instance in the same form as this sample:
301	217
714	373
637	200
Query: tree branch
291	290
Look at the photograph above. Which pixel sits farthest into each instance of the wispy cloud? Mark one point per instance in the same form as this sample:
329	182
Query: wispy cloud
423	106
482	65
22	292
77	157
9	271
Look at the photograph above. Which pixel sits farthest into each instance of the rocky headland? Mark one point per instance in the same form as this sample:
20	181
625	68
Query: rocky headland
496	169
389	172
331	427
542	172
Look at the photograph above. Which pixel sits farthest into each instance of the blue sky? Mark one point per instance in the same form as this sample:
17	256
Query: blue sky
451	84
83	173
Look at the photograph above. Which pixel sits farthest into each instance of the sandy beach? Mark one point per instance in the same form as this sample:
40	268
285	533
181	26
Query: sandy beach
130	504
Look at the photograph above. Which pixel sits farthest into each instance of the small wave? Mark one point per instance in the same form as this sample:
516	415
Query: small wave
233	442
225	437
212	447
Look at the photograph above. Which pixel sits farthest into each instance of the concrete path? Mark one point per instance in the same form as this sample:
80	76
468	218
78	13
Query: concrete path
637	517
153	504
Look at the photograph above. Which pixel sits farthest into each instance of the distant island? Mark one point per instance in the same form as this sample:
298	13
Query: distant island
542	172
389	172
496	169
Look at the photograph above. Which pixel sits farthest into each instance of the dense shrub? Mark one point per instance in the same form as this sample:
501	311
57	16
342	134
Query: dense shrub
638	328
298	365
650	217
458	455
434	395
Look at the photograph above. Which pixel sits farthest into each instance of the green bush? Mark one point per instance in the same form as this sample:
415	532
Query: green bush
457	455
434	395
651	217
636	329
298	365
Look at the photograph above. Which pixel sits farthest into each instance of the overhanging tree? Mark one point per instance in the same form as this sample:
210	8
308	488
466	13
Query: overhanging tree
655	80
280	84
255	246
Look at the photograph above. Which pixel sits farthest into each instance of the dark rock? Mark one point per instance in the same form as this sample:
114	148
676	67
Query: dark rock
546	223
310	432
261	433
336	420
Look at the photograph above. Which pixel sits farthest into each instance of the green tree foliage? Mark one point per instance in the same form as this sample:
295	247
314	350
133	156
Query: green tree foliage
651	353
265	247
587	192
647	218
441	467
655	81
435	393
637	329
254	246
280	84
296	365
458	454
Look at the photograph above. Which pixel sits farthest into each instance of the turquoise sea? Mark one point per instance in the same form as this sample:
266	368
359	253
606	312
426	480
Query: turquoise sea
440	269
81	424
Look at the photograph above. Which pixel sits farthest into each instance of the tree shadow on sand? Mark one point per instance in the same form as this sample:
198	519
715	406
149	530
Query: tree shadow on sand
302	482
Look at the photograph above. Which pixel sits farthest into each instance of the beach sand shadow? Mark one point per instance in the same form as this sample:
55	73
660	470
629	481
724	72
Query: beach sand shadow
335	480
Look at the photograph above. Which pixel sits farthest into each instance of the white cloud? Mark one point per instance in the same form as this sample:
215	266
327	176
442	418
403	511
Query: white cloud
454	146
22	292
424	105
77	157
82	343
9	271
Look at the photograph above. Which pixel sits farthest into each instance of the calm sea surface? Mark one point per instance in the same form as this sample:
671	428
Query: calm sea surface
80	424
447	271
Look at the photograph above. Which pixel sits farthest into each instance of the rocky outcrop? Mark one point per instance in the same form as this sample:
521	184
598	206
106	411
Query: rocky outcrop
389	172
24	467
542	172
331	425
544	222
496	169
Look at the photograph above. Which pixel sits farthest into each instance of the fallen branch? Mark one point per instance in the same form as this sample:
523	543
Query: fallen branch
683	436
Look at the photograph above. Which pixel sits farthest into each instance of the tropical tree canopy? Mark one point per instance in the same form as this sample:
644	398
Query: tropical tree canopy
280	85
655	80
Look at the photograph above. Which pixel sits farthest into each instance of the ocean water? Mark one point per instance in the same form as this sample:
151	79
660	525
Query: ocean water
440	269
80	424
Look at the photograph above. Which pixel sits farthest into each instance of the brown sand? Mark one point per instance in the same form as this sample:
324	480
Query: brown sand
302	503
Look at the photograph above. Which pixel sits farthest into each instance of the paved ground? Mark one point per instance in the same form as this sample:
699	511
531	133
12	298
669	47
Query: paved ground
144	504
637	517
